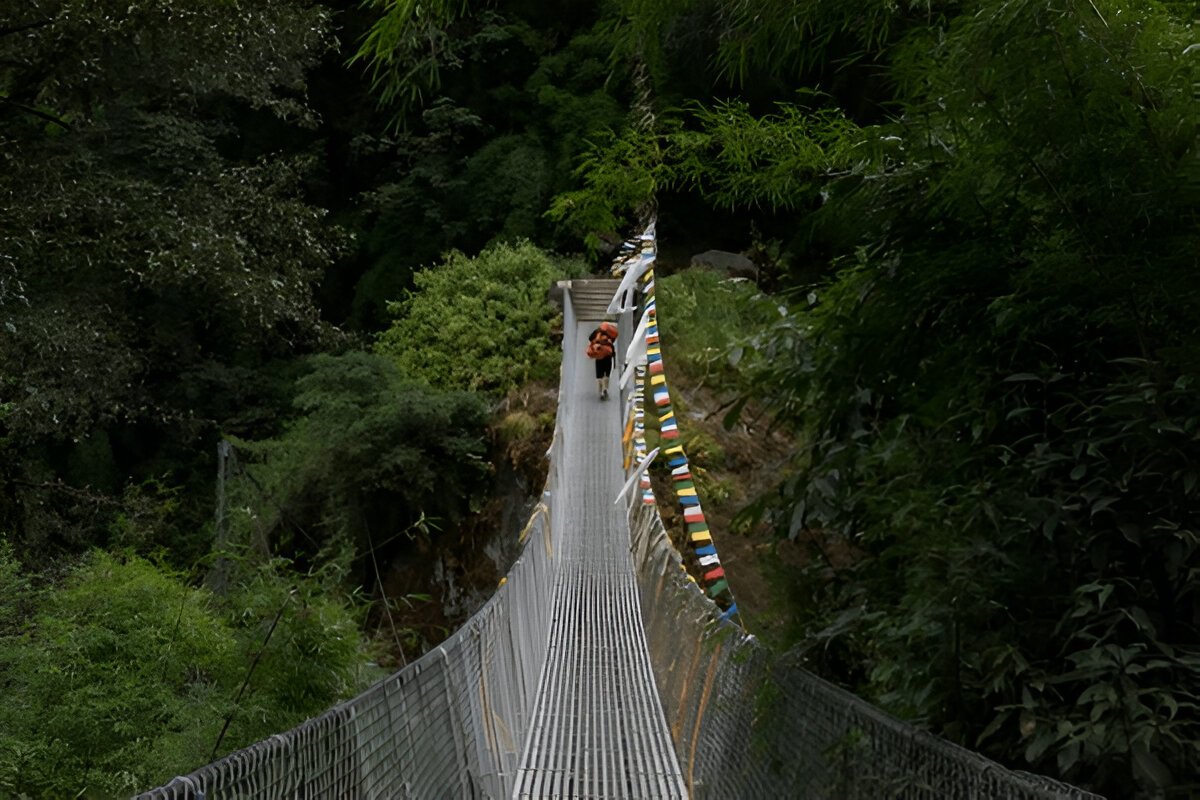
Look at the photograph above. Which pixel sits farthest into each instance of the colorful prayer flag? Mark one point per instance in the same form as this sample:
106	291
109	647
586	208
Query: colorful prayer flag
720	586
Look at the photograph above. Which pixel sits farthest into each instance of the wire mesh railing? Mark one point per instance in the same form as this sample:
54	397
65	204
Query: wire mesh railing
450	724
748	724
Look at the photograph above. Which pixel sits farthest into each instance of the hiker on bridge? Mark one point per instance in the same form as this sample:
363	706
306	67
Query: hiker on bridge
601	347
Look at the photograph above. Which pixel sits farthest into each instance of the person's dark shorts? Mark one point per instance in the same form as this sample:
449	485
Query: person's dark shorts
603	367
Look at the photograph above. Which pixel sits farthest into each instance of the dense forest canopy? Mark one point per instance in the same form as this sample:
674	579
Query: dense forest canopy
250	223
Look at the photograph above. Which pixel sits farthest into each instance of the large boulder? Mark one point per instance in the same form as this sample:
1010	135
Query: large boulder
735	265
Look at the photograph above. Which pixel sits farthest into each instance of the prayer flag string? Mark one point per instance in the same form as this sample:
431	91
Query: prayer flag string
636	263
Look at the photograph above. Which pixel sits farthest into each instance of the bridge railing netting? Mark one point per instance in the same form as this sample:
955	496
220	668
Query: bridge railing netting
747	724
451	724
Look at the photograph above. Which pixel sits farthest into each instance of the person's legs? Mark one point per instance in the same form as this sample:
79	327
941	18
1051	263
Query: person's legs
600	382
607	369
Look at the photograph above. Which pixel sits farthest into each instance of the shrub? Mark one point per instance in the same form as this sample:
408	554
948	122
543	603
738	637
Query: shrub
122	678
709	324
126	675
480	323
371	451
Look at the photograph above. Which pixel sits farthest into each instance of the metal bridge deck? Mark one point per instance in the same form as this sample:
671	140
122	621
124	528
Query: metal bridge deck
598	729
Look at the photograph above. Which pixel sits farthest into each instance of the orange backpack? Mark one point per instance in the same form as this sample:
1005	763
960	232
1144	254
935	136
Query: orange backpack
601	347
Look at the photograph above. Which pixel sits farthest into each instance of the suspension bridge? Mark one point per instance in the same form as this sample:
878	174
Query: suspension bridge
599	669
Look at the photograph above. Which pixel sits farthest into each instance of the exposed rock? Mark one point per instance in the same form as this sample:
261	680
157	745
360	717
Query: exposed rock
608	245
734	265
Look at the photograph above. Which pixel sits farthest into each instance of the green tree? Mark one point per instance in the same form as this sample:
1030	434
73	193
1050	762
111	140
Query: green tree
409	46
492	107
995	388
144	267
